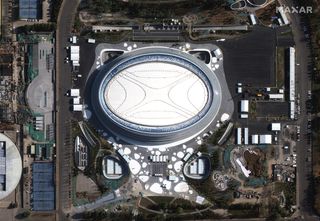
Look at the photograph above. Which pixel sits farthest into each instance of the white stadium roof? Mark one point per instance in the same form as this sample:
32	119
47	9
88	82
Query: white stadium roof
12	166
156	94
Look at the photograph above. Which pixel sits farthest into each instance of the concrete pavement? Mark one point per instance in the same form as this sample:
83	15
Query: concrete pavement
63	83
304	169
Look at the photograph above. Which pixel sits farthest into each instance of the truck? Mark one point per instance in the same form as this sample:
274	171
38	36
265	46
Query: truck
91	40
73	39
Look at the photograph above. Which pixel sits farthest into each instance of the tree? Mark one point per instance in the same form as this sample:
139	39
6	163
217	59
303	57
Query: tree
25	213
179	210
100	6
203	148
215	159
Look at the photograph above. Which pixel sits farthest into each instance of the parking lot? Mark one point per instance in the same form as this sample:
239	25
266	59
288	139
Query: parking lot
272	109
250	58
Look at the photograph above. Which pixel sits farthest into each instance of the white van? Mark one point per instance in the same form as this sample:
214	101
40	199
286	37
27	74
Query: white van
91	40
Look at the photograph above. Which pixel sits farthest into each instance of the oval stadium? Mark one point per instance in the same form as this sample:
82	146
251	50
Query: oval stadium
156	96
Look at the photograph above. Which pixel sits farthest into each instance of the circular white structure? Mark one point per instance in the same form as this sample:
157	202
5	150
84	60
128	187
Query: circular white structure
156	96
11	166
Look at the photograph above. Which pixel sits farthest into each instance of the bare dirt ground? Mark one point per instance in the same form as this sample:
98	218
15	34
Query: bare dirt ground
265	14
219	17
254	161
85	184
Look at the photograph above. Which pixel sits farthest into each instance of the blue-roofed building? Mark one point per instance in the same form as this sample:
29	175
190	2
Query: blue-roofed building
30	9
43	195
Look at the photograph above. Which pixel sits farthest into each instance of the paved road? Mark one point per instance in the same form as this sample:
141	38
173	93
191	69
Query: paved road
63	83
304	169
103	201
156	35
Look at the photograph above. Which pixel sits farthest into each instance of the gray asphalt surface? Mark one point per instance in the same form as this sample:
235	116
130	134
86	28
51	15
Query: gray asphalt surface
63	83
304	169
156	35
249	56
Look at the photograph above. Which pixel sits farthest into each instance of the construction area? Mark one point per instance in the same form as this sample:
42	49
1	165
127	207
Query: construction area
8	80
36	112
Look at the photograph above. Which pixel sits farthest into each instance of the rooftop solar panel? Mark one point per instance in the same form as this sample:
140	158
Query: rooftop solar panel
23	3
43	186
2	178
43	205
1	152
43	167
42	177
43	196
23	13
34	3
29	9
2	165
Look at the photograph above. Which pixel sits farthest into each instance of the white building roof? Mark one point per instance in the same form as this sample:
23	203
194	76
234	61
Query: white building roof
74	57
218	52
13	166
193	168
110	166
74	49
292	74
200	199
74	39
276	126
141	94
244	107
244	170
255	139
266	139
91	40
244	116
200	166
292	109
117	168
276	96
283	15
77	107
246	136
253	19
76	100
239	136
75	92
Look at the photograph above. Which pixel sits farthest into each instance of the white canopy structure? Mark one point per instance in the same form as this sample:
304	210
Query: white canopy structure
244	106
255	139
276	126
266	139
75	92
